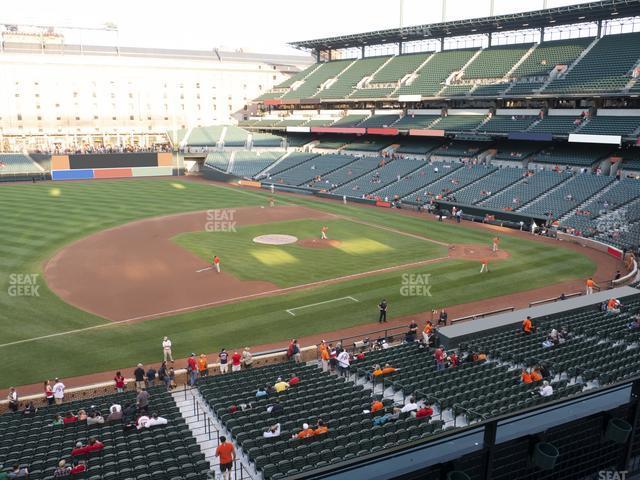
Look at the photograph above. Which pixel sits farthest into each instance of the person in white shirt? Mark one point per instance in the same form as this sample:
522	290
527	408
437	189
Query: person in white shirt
274	431
142	422
410	406
166	349
58	391
546	390
343	362
156	420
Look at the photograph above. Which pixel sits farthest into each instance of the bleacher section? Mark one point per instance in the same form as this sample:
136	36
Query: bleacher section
218	160
12	163
490	185
417	146
430	77
571	154
247	164
349	121
547	55
459	122
207	136
378	121
506	123
415	121
305	173
348	80
568	196
610	125
292	160
349	172
495	62
379	178
555	124
235	137
168	451
516	151
316	79
369	144
461	149
447	187
604	68
266	140
527	189
417	180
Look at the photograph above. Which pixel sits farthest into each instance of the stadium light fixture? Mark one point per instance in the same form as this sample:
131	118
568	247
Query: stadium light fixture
614	13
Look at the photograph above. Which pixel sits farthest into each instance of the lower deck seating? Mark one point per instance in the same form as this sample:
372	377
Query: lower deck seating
160	452
11	163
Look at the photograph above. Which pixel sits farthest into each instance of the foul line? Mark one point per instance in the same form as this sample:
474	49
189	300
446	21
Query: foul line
277	291
290	311
204	269
399	232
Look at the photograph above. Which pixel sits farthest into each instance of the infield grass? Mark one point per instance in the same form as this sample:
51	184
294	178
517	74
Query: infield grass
39	219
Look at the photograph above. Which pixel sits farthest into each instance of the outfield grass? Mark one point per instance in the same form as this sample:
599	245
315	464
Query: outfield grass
39	219
362	248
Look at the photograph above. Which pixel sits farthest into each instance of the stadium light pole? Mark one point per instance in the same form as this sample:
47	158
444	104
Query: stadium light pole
444	11
401	13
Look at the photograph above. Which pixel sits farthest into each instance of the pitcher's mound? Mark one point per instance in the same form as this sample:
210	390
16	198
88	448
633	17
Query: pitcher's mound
476	252
317	243
275	239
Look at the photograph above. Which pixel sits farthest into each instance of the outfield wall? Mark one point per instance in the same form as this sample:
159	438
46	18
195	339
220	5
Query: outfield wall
103	173
111	165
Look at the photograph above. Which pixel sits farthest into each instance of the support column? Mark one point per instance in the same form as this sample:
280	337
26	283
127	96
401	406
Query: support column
599	34
632	418
490	38
400	47
542	32
318	55
362	50
489	446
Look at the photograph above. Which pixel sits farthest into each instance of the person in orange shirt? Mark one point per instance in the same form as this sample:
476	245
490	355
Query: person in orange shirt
321	428
535	375
590	285
324	356
216	263
496	243
323	232
613	305
388	369
427	332
377	371
525	377
227	455
485	266
527	326
376	406
203	366
305	432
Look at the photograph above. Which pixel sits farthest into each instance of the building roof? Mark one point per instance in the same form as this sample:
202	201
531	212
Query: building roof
551	17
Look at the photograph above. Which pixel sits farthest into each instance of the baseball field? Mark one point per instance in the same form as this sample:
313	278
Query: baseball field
94	274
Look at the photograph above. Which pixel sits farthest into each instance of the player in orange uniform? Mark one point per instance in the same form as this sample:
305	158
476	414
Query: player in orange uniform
323	232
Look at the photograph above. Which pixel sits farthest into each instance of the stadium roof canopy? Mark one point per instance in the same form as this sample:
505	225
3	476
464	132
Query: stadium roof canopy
551	17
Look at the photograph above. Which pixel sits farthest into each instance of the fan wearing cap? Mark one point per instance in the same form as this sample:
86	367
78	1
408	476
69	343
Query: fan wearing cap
306	432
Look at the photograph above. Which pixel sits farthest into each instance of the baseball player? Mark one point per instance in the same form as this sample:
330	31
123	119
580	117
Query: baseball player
590	285
323	232
496	242
485	266
216	263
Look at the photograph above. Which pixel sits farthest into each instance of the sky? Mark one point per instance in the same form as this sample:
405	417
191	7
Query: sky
256	25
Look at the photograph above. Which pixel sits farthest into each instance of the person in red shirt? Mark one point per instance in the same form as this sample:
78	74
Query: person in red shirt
93	446
236	359
119	381
192	368
227	454
453	360
69	418
294	380
424	412
78	467
439	355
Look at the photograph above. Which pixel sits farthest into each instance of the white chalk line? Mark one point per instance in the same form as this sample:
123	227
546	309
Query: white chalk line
290	311
204	269
278	291
399	232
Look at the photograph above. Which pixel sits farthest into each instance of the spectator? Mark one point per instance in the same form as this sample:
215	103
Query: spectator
142	400
155	420
321	428
48	392
56	421
79	466
527	326
444	316
324	356
166	349
261	393
163	375
376	406
281	385
223	356
294	380
138	374
440	355
525	376
62	470
203	366
613	305
413	332
95	418
115	413
427	333
70	418
423	411
151	376
29	410
274	408
82	415
343	363
536	376
273	431
93	446
297	356
591	285
172	378
19	472
120	382
635	323
142	421
12	398
410	406
192	369
382	308
236	360
386	418
306	432
227	454
247	357
546	390
452	360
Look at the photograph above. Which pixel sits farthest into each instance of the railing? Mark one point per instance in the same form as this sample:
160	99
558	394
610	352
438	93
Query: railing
482	315
239	472
555	299
386	333
201	414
